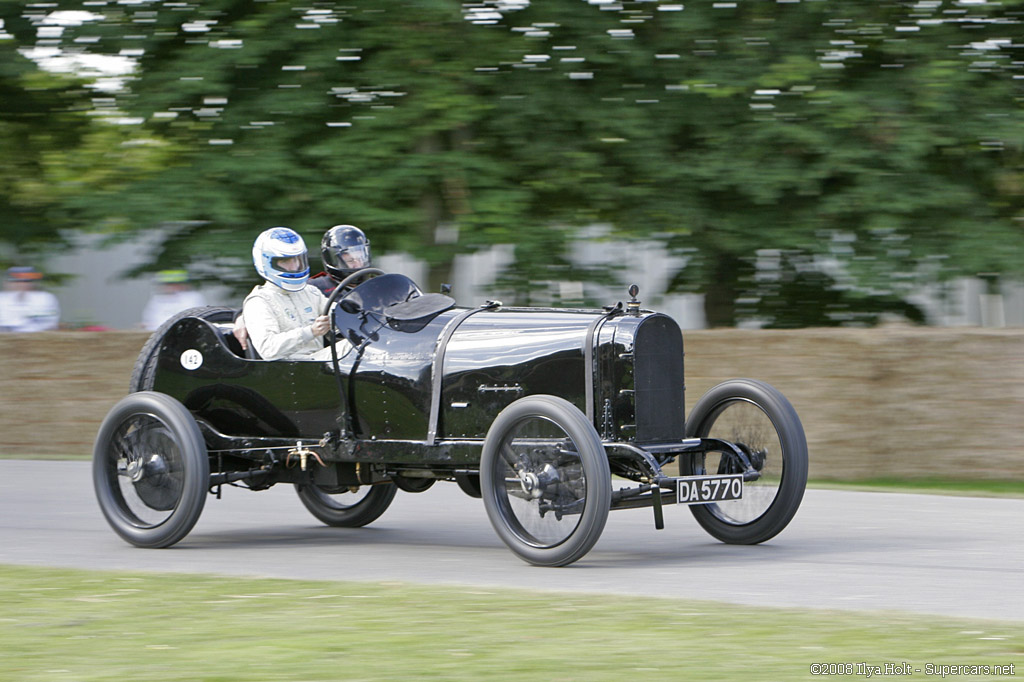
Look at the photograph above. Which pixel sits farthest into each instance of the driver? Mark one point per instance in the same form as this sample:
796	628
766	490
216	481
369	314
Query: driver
282	315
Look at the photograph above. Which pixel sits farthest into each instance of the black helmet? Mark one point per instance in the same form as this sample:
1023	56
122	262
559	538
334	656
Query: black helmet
344	250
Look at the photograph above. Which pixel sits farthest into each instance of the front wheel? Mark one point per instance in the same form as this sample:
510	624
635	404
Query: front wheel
545	480
345	508
150	469
756	417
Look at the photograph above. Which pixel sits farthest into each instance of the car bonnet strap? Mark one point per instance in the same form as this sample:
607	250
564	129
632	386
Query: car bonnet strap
438	366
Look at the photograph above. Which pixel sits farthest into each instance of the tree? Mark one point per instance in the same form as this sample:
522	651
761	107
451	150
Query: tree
858	156
812	160
37	120
272	115
58	155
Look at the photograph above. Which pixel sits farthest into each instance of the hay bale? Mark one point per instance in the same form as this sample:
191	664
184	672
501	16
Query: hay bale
58	386
891	402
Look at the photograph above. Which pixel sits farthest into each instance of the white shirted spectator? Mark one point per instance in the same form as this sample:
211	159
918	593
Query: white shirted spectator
173	296
23	307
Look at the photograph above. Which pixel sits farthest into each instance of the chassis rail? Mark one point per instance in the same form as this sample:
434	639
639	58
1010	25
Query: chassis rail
262	462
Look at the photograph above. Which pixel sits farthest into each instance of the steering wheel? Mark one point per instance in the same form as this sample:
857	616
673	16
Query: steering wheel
340	290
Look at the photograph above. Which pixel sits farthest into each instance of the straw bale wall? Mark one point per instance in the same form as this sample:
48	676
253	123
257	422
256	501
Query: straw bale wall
891	402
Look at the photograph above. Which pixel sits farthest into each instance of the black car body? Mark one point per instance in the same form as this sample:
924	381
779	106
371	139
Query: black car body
534	409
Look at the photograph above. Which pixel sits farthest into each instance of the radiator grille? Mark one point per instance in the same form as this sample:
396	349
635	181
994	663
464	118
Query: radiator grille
658	379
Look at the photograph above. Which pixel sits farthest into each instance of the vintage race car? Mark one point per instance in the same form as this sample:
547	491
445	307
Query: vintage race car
552	416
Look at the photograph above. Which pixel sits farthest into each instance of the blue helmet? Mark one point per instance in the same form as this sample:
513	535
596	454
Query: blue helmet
279	255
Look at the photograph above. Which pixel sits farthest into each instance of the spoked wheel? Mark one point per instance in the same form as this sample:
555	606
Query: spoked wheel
344	508
545	480
757	418
150	470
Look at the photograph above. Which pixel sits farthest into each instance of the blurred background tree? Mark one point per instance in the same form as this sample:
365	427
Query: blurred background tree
814	162
39	117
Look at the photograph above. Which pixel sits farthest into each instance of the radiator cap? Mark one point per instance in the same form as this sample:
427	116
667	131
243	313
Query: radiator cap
633	306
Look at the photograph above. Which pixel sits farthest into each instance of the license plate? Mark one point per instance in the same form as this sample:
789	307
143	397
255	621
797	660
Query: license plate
705	489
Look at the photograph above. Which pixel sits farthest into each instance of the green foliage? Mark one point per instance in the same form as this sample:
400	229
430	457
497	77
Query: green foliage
36	121
862	148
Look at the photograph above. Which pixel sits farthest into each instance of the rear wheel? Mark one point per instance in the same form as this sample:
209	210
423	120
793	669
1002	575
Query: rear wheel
469	484
150	470
345	508
756	417
545	480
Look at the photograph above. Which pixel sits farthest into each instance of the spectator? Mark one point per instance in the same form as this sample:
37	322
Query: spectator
173	295
23	307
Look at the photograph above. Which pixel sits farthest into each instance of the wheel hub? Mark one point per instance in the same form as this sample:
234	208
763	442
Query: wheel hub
143	467
151	477
533	484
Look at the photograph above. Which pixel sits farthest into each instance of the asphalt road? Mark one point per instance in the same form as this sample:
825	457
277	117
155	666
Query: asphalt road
928	554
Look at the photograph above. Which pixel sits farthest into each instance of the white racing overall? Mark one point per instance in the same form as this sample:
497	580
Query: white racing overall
279	323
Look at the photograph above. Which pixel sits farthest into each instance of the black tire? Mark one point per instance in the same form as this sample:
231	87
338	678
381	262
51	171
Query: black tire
545	480
758	418
344	509
150	470
469	484
145	365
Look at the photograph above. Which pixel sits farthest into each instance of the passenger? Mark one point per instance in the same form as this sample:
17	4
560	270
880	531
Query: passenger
344	249
283	315
23	307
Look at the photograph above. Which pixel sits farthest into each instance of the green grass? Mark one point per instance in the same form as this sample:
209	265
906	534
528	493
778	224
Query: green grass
934	486
60	624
